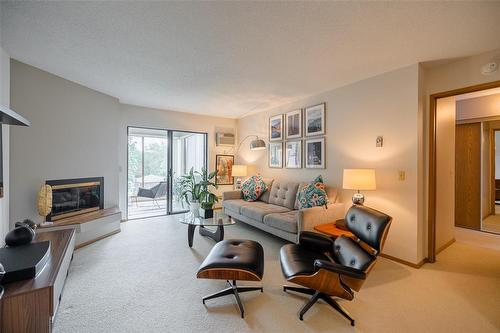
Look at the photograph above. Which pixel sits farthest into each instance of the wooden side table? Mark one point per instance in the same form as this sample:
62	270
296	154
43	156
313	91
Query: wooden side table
331	229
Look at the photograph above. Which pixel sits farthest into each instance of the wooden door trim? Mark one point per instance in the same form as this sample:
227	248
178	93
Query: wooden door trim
431	215
492	174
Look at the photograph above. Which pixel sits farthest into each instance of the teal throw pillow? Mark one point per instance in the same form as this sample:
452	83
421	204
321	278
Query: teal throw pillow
253	188
312	194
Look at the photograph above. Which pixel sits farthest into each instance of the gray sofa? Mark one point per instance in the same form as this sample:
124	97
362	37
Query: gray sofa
276	210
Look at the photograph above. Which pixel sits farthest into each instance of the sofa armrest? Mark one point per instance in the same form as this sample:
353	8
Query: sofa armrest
231	195
308	218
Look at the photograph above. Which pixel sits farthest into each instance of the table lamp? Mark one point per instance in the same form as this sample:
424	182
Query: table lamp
359	179
238	171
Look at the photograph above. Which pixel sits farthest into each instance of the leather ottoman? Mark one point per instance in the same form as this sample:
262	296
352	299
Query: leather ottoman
232	260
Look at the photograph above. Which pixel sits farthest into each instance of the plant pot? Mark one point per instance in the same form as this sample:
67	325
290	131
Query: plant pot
206	213
194	207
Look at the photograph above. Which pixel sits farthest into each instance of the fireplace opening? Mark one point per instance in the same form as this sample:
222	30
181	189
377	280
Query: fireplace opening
72	197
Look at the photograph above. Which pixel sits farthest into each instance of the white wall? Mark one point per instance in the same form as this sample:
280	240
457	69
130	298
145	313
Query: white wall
385	105
73	134
479	107
4	100
131	115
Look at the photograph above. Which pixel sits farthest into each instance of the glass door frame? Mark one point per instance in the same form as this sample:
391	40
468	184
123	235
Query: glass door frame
169	198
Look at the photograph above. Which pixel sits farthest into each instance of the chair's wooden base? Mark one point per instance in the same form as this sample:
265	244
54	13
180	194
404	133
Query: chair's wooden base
233	290
316	296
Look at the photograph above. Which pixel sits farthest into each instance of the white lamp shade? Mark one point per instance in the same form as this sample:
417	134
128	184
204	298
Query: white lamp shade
239	170
359	179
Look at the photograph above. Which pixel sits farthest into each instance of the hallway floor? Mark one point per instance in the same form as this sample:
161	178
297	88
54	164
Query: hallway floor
492	222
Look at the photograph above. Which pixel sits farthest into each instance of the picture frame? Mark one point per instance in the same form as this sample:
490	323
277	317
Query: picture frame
315	153
224	166
275	155
315	119
293	124
293	154
276	128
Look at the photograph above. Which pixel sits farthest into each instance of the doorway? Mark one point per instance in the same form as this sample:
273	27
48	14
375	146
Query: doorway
457	189
156	158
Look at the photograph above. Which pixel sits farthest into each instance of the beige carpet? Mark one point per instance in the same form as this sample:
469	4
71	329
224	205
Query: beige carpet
492	224
143	280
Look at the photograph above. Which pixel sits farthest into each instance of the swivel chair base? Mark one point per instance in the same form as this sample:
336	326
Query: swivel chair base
233	290
316	295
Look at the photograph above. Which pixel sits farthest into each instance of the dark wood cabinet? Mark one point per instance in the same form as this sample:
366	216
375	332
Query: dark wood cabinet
30	305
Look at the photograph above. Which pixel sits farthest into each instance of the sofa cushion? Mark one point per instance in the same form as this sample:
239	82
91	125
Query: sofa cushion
257	210
312	194
265	196
283	221
283	194
235	205
253	188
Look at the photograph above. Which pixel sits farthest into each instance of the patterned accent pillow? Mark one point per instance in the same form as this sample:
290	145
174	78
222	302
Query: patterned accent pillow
312	194
253	188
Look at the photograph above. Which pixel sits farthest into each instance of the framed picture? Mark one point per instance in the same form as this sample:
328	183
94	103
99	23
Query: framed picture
275	154
276	128
293	120
224	166
315	119
315	153
293	154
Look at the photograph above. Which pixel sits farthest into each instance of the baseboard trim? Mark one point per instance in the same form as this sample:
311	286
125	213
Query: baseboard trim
96	239
404	262
445	246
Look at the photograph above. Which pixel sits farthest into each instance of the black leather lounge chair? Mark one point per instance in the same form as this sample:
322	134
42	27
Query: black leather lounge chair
335	267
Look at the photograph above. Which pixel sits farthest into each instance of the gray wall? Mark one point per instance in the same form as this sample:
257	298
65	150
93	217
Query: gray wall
74	134
79	132
4	100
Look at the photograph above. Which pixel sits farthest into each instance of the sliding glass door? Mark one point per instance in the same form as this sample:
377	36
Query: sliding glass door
156	160
188	151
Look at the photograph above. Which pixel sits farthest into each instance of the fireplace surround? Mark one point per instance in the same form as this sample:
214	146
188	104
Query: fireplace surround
77	196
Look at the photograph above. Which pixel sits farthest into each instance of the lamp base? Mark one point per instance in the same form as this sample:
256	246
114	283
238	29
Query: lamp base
237	184
358	199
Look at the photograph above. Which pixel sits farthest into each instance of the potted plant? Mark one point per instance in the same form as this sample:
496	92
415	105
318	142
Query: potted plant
190	190
195	190
207	198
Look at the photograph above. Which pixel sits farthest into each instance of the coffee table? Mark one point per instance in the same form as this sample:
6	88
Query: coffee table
219	220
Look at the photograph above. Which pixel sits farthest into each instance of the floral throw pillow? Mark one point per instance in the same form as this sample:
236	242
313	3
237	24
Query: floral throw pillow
253	188
312	194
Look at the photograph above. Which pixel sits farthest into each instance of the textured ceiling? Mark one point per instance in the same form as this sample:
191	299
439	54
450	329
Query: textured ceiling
234	58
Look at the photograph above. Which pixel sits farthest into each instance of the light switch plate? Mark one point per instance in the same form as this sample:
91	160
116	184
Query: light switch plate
402	175
380	141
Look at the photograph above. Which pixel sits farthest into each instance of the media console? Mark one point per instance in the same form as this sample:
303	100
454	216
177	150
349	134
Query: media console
30	305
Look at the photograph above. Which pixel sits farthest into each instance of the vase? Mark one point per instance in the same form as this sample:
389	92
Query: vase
194	207
206	213
19	236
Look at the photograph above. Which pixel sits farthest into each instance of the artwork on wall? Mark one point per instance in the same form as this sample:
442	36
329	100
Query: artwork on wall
293	120
224	166
315	153
293	154
276	128
275	154
315	119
